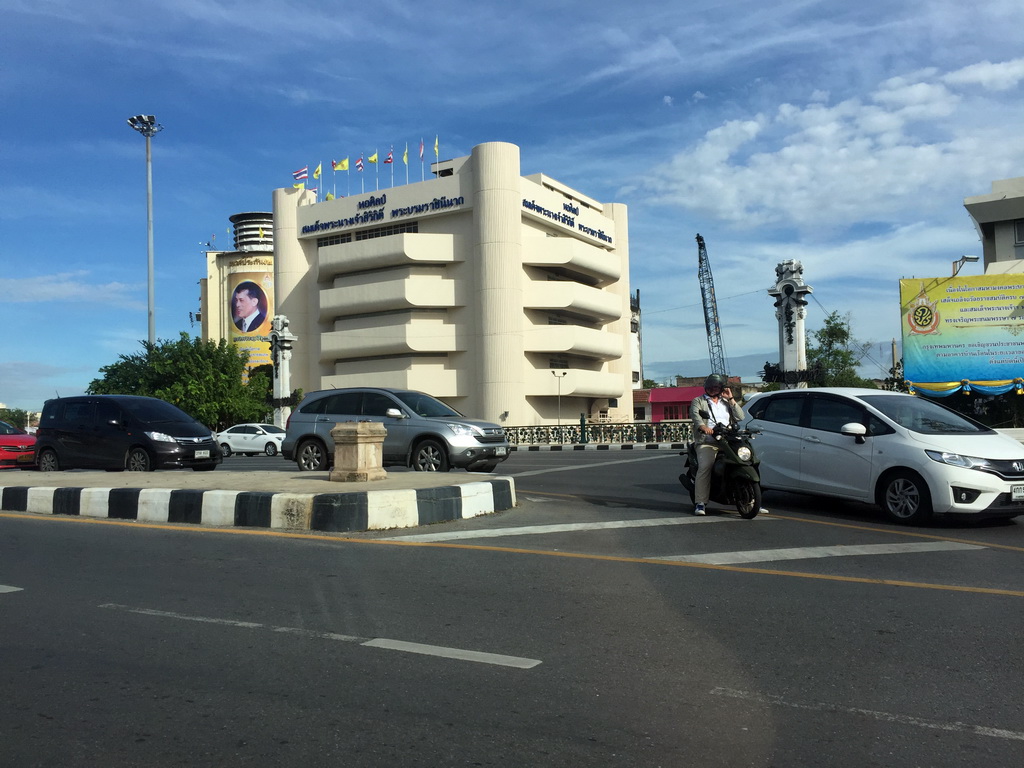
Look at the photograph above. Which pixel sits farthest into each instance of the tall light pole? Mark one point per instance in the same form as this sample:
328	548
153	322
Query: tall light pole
558	377
148	127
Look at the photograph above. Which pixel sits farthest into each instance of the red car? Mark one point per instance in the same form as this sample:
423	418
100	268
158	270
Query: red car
17	447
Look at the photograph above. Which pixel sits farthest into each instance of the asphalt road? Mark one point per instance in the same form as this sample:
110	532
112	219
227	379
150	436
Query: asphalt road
597	624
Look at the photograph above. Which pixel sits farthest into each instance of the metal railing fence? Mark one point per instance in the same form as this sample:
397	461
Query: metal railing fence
600	432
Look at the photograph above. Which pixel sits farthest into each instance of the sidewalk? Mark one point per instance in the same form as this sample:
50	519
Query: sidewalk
264	499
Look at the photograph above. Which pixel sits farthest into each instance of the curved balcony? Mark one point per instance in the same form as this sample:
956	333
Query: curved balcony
407	248
353	340
575	383
573	340
362	294
573	297
575	256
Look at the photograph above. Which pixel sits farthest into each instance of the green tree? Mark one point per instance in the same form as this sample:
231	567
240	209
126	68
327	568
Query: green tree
15	417
835	354
651	384
895	381
203	378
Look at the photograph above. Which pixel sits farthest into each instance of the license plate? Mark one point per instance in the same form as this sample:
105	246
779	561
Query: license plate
1017	492
503	451
202	454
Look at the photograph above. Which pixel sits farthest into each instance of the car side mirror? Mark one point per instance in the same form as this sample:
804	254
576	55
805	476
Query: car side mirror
855	430
394	413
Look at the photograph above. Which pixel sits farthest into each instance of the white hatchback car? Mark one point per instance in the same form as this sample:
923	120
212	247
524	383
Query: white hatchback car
250	439
910	455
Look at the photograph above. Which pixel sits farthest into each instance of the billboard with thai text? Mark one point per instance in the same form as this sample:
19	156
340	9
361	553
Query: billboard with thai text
958	329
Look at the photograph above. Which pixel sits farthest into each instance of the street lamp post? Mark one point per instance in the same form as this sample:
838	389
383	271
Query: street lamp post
558	377
148	127
959	263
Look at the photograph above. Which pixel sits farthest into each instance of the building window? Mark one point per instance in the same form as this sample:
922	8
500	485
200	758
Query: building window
1018	232
333	240
394	229
672	413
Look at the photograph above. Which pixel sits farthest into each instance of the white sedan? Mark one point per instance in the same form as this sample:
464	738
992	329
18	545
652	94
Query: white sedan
250	439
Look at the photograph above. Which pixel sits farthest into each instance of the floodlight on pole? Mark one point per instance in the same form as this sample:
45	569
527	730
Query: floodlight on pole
959	263
148	127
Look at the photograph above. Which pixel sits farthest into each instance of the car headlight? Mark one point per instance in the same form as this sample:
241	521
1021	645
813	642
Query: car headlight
465	430
957	460
744	453
160	437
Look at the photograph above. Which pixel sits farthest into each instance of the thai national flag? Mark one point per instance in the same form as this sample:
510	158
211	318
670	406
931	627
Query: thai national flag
302	173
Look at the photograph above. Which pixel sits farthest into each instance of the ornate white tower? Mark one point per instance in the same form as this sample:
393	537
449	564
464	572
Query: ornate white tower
790	293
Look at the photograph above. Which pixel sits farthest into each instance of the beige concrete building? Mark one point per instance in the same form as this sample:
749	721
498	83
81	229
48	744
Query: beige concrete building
505	295
999	218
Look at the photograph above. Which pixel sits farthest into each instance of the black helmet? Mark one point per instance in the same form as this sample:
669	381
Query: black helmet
714	380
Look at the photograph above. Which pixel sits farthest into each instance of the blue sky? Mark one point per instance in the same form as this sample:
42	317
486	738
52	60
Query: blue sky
845	135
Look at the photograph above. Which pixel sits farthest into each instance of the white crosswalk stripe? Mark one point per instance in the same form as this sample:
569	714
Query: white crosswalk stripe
528	530
806	553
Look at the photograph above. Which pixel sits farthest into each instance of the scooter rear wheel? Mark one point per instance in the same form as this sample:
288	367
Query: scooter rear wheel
747	497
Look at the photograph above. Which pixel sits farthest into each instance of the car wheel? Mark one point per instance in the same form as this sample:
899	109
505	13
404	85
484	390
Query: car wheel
311	456
430	456
48	461
271	449
138	460
225	450
904	498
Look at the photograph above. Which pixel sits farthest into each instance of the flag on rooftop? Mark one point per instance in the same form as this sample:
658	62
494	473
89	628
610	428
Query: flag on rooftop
359	164
405	155
436	148
421	150
316	173
300	185
340	165
391	156
372	158
302	173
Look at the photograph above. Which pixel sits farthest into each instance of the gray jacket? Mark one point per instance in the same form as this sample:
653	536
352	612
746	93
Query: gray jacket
700	415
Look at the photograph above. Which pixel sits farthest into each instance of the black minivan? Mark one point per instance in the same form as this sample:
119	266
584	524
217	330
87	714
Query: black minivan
118	432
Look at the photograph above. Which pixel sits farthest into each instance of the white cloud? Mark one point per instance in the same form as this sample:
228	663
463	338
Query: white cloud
69	287
1001	76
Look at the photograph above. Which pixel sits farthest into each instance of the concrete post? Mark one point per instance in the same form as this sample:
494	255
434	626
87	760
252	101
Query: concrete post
358	452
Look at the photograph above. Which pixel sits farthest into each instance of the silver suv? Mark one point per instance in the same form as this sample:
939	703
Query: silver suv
422	432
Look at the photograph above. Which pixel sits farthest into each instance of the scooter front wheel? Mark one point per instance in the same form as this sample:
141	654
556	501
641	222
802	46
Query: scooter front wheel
747	497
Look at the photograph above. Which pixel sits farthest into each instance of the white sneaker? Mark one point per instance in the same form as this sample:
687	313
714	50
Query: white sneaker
699	510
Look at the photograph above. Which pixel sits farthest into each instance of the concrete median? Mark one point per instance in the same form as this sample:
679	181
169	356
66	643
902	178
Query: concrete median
262	499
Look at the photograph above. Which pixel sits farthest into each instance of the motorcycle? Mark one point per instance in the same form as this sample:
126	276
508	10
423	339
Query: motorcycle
735	478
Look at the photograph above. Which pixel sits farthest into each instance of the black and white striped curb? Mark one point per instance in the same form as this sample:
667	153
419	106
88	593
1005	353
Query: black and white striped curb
603	447
335	512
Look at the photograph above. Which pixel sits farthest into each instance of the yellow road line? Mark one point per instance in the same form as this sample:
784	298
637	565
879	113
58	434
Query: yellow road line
520	551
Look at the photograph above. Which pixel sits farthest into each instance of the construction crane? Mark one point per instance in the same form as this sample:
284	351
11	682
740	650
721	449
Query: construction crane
707	293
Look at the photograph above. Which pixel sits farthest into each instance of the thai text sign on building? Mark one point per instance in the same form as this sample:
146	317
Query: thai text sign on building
963	328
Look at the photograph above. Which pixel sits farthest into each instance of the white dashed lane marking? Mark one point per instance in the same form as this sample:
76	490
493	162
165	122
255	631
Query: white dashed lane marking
886	717
5	588
807	553
460	654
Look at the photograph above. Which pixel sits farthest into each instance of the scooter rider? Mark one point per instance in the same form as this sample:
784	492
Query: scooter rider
715	406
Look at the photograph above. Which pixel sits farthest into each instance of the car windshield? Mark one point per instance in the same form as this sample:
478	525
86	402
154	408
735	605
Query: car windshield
924	416
425	405
8	429
154	411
